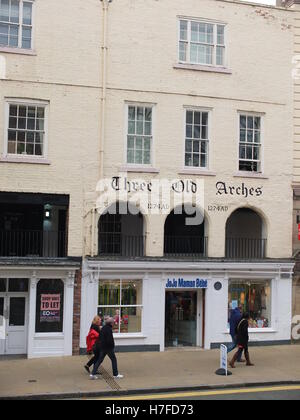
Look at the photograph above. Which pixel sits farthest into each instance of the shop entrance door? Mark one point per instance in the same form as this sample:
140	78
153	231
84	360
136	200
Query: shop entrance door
13	315
13	309
181	319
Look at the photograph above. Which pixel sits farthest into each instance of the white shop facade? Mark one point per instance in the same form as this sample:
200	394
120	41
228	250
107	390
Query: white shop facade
158	304
36	308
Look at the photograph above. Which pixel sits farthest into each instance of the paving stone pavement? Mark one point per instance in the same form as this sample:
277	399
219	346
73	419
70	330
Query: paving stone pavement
173	369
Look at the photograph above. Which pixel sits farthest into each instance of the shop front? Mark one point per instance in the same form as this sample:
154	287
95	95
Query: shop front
36	310
160	305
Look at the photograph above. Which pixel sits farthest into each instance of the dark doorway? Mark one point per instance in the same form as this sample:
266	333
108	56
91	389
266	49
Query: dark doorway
181	319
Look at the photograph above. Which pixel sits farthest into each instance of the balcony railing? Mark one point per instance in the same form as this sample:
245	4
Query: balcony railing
246	248
186	246
118	245
33	243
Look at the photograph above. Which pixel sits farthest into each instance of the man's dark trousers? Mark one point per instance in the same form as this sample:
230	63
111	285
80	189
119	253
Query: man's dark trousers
112	356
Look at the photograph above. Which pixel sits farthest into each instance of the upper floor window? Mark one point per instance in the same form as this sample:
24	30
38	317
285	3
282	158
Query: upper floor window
139	134
250	143
202	43
196	139
16	24
26	129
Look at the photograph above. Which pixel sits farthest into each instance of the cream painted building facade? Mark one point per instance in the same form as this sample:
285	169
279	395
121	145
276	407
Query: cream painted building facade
100	94
196	94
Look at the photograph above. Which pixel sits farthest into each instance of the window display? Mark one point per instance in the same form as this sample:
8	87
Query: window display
121	300
255	298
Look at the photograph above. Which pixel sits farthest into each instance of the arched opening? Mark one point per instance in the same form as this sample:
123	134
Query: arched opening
185	233
245	235
121	232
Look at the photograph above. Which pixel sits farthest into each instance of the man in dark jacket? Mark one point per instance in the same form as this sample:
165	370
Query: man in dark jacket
242	341
236	316
105	346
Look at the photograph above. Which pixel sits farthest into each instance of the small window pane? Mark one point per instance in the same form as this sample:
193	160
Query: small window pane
131	320
20	148
147	144
139	156
2	285
183	30
21	136
196	160
148	114
109	293
188	159
250	122
18	285
22	123
27	13
4	10
147	158
243	122
189	117
257	123
131	127
12	122
130	143
14	14
17	311
131	113
29	149
3	39
11	147
40	113
22	111
220	35
196	131
130	156
189	146
38	150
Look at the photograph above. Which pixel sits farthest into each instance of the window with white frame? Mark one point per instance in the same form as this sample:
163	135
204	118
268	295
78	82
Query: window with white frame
122	301
250	143
16	24
196	139
139	135
26	129
201	43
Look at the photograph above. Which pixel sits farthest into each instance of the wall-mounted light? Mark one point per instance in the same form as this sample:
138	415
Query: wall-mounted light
47	212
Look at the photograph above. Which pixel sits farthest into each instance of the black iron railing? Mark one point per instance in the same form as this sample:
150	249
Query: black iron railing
33	243
116	244
246	248
186	246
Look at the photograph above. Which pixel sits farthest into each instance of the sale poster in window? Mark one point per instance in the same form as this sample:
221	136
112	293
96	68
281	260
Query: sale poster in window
50	308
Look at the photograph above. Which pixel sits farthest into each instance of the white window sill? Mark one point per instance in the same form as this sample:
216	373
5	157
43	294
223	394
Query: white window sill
49	336
27	160
246	174
21	51
196	171
129	335
139	169
200	67
258	331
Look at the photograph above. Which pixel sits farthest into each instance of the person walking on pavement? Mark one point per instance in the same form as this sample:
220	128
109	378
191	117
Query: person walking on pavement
235	319
91	339
105	346
242	340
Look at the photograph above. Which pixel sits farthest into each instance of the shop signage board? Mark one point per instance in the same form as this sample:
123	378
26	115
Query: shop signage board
182	283
223	359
